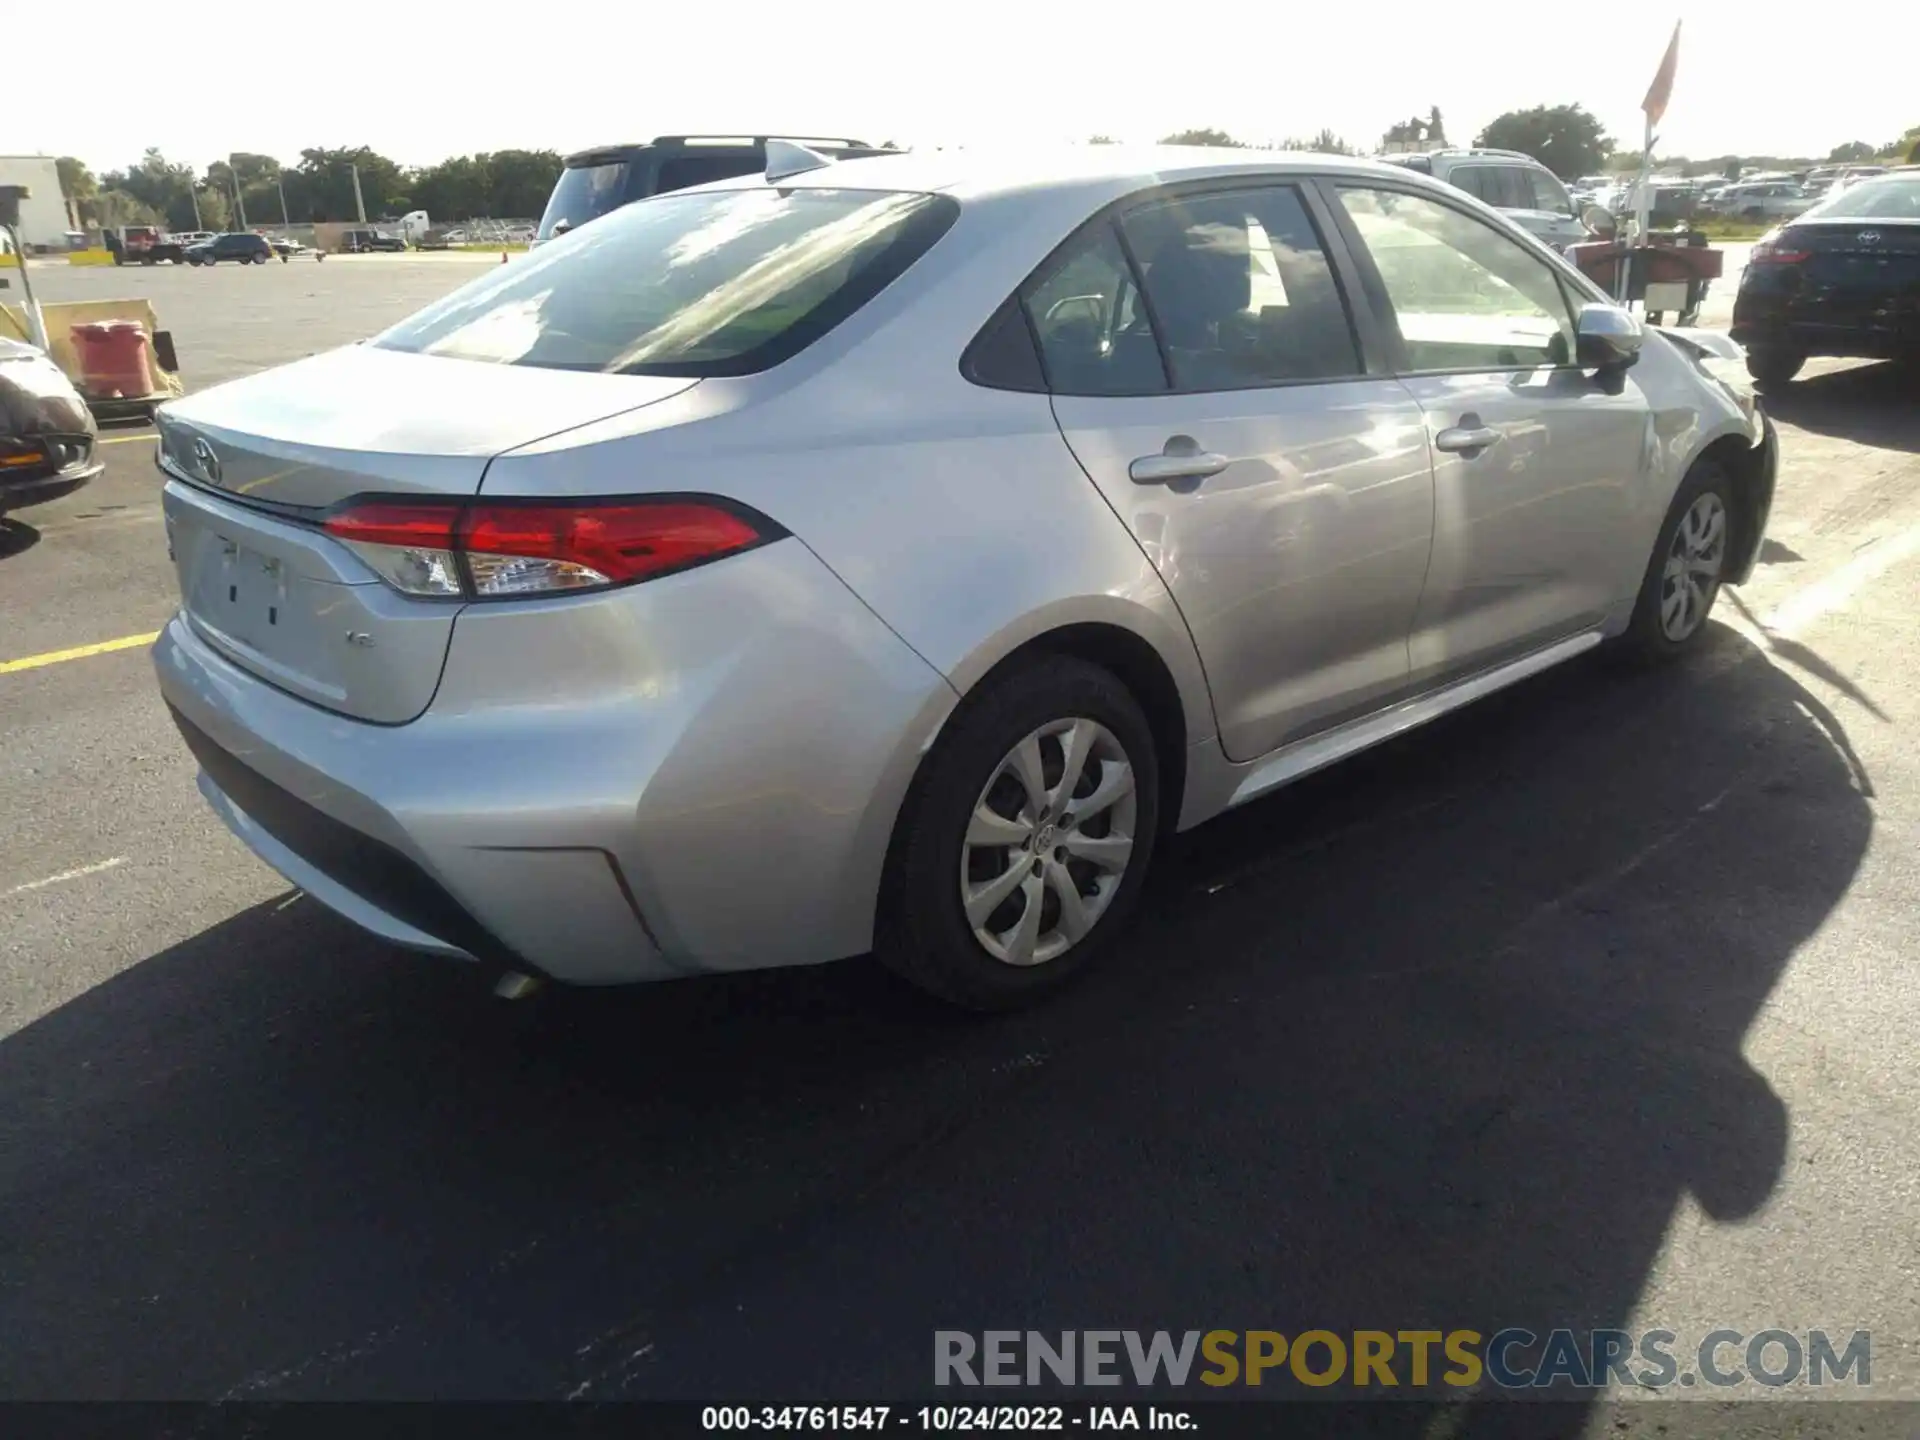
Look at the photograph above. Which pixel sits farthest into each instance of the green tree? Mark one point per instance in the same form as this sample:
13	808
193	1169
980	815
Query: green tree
455	189
1851	153
506	184
1103	140
320	187
160	185
1201	137
519	182
216	210
1328	143
110	209
1564	138
79	186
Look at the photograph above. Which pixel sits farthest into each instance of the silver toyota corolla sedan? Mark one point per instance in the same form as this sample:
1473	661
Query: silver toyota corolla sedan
887	554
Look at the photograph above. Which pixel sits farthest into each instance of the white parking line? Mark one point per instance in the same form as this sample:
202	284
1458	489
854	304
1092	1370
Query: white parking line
63	876
1836	591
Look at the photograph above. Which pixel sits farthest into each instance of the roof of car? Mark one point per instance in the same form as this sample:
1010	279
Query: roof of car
978	173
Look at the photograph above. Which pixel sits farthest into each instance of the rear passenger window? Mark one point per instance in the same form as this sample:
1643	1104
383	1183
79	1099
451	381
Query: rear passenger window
1473	180
689	170
1240	290
1086	313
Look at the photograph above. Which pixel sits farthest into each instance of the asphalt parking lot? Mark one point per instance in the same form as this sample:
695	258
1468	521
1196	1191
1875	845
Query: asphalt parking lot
1592	1006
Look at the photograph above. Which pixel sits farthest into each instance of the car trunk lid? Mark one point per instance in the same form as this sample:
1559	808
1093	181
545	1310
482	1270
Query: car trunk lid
257	463
1857	272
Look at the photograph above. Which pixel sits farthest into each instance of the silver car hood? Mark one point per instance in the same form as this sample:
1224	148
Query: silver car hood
364	419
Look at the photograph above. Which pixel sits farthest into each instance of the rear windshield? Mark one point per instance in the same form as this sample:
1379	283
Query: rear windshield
1891	198
723	282
583	193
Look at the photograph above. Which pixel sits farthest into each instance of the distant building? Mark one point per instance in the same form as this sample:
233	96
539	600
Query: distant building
43	214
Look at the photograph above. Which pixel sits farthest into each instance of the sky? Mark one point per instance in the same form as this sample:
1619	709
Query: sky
420	82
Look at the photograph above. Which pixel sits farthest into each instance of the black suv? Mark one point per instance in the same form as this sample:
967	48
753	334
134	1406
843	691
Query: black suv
596	181
365	242
247	249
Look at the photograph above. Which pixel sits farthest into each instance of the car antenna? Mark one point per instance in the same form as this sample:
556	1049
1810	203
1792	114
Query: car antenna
785	158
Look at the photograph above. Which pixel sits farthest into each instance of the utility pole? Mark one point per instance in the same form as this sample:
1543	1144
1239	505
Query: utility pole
239	205
281	185
359	202
193	194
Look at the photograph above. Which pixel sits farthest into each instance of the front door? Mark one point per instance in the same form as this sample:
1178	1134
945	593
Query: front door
1207	377
1537	464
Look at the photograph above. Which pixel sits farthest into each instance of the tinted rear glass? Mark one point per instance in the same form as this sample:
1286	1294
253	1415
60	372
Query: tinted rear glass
683	172
583	193
1897	197
720	283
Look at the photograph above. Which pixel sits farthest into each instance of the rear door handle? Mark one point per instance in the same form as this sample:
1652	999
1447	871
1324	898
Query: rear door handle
1182	459
1466	437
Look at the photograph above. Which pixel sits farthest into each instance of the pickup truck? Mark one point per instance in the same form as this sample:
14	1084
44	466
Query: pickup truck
148	246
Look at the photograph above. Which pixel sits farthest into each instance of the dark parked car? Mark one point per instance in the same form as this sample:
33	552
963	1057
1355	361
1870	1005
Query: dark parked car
247	249
1842	279
597	181
363	242
47	433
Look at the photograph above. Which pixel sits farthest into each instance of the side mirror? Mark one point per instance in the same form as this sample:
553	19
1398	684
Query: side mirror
1599	220
1606	338
561	227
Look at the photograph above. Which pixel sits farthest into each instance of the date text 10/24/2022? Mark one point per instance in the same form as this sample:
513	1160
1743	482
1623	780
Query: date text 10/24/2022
944	1418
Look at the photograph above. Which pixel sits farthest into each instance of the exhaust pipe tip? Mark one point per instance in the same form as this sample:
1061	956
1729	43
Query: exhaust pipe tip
515	986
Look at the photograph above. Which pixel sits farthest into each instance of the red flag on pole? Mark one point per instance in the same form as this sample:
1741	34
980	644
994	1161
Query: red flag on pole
1661	90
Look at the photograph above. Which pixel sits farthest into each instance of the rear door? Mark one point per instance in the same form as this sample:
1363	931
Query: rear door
1538	468
1208	376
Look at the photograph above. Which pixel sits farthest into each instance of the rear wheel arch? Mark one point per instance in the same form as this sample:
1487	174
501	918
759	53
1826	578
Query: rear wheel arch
1135	663
1132	659
1102	672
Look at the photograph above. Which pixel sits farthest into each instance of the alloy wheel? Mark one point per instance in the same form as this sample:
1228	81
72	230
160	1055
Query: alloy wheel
1694	562
1049	842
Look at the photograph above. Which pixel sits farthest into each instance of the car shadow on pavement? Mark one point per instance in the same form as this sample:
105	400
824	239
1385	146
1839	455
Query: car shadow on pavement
16	537
1438	1040
1877	405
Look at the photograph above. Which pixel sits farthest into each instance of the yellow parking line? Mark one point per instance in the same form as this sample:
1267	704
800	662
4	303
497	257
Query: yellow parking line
128	439
79	652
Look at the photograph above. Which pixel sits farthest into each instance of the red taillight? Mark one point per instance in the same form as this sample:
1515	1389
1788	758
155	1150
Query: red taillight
487	550
621	542
1777	249
381	522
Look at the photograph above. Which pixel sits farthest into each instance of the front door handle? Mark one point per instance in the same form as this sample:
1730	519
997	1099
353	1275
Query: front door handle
1182	459
1466	438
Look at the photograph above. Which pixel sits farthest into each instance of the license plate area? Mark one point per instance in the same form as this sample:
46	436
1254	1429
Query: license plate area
255	592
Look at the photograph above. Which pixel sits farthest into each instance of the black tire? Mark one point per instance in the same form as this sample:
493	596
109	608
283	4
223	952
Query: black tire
922	932
1773	367
1646	640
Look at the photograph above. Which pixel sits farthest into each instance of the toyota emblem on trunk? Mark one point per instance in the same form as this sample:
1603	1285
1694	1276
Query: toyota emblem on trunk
207	461
1869	237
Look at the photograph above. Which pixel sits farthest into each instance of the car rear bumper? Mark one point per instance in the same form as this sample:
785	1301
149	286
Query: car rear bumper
696	774
1852	342
34	487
